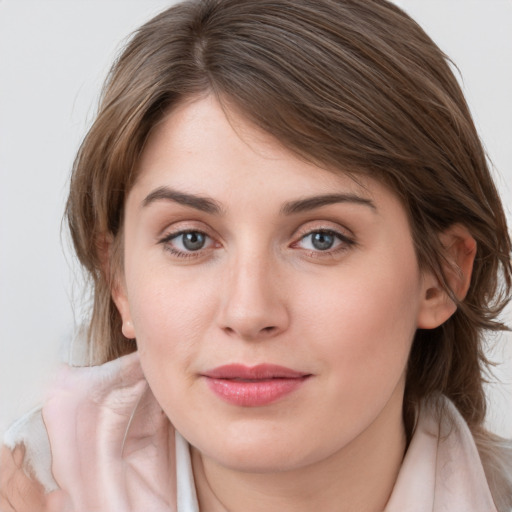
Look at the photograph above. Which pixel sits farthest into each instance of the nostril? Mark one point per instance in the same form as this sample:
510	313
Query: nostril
263	332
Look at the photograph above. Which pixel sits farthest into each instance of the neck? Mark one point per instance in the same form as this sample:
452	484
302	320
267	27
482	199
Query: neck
360	476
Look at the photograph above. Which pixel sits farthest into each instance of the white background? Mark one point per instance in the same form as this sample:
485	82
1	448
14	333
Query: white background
54	55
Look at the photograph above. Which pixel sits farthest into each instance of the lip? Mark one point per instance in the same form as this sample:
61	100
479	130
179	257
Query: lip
253	386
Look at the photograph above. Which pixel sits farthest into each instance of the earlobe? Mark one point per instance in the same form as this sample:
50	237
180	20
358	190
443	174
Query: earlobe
437	304
119	296
108	250
127	330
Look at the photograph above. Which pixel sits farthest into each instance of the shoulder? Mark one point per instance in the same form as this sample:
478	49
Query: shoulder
496	455
481	456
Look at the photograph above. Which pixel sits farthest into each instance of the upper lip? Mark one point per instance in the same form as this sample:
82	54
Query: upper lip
258	372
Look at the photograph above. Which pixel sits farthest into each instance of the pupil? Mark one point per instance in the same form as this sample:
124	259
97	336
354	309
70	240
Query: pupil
193	241
322	241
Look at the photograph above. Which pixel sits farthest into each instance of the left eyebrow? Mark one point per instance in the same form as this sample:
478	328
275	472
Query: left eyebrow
311	203
200	203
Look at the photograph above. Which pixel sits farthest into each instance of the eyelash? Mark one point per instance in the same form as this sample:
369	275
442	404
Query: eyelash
345	243
166	242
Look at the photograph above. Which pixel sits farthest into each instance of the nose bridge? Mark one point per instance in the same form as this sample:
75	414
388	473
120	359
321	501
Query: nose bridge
253	305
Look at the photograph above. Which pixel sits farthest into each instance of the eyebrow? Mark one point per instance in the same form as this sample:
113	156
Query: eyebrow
211	206
311	203
203	204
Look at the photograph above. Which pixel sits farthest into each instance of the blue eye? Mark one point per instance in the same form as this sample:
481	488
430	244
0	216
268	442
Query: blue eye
184	243
193	240
323	240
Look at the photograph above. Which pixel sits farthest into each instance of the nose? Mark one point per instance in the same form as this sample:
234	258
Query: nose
253	305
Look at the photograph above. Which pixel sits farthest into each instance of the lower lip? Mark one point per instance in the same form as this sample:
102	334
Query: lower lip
255	393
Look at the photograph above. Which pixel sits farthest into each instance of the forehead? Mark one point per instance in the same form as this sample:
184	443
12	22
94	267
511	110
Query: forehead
199	144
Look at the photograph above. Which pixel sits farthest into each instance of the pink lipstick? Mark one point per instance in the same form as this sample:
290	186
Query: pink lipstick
253	386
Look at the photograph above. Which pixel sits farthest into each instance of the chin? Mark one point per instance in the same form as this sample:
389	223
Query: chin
258	460
262	450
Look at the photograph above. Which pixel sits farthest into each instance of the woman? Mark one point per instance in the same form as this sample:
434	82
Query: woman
296	248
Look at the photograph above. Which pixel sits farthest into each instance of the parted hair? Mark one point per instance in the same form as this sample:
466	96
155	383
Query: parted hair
354	85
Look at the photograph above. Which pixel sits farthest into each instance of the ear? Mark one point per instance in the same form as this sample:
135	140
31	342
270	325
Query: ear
115	278
460	251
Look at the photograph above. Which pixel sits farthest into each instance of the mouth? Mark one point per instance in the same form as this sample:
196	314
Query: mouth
254	386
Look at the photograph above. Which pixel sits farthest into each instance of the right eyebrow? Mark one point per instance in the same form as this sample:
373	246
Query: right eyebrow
203	204
311	203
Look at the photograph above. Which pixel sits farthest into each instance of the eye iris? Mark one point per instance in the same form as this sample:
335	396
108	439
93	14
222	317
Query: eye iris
193	241
322	241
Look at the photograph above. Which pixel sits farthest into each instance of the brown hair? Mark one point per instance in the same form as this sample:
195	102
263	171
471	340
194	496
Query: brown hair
351	84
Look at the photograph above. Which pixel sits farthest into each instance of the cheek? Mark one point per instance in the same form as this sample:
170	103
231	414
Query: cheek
363	324
170	314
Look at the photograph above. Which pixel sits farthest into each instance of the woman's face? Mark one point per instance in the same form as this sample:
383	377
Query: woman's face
274	303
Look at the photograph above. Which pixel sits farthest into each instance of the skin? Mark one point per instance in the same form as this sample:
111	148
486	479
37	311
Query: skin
260	291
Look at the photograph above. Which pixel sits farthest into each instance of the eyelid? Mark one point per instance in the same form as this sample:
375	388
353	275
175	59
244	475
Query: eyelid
171	236
326	226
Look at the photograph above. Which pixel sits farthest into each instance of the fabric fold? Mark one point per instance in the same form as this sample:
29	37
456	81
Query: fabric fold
441	471
112	446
